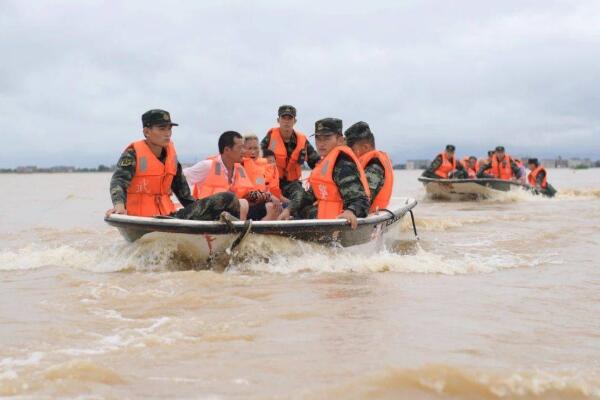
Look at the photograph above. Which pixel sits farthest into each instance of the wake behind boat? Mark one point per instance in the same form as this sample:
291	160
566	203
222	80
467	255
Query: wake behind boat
208	239
472	189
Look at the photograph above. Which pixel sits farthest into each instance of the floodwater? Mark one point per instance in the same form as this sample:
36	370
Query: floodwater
499	299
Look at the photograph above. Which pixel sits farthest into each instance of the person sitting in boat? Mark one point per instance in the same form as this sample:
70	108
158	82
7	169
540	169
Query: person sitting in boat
272	176
470	165
538	178
225	173
443	165
502	167
148	172
258	168
488	160
338	186
292	150
377	164
522	170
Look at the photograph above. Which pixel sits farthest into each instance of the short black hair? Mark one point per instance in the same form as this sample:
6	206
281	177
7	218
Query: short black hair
533	161
268	153
227	139
473	158
368	138
491	152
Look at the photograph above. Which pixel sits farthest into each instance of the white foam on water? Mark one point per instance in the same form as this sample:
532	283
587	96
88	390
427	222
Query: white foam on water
32	359
284	256
147	255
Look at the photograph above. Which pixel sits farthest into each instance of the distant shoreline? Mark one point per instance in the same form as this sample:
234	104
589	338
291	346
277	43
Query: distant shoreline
91	170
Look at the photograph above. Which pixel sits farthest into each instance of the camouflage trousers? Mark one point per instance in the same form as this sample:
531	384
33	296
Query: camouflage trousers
291	189
308	212
210	208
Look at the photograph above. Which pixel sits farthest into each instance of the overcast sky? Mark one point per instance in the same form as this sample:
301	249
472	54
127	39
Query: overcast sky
75	76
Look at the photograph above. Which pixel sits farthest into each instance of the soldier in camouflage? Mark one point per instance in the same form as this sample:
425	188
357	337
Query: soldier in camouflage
437	163
499	153
328	135
361	140
287	119
206	209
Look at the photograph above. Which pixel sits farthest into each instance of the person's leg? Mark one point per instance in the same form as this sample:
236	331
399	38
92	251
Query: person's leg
210	208
308	212
244	208
291	188
273	211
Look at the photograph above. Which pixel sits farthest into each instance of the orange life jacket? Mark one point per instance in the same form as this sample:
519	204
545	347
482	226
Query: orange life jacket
533	177
385	193
218	182
330	203
149	193
502	169
472	172
256	172
288	168
446	167
272	180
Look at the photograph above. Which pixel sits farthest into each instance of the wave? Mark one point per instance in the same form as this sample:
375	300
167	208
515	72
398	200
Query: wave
159	254
433	381
258	254
579	193
284	256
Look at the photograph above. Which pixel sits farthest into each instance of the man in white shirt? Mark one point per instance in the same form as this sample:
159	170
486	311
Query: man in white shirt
231	148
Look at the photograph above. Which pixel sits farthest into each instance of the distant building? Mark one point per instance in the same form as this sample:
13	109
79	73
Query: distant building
579	163
561	163
62	168
549	163
27	169
417	164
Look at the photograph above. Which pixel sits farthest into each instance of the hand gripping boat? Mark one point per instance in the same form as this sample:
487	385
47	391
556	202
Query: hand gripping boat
460	189
211	238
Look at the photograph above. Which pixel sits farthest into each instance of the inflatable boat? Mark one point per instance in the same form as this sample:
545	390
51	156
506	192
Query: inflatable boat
209	239
464	189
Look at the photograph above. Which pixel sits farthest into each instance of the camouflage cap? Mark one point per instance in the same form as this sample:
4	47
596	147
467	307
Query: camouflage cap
450	147
358	131
500	149
328	126
156	117
286	110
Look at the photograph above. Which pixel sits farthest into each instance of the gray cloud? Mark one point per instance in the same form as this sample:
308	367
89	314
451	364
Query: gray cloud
75	77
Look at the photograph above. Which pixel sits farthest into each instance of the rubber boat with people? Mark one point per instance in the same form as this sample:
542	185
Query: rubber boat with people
209	240
473	189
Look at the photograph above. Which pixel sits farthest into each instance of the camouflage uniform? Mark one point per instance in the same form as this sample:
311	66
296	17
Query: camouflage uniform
549	191
375	177
346	177
435	164
513	165
374	171
308	154
206	209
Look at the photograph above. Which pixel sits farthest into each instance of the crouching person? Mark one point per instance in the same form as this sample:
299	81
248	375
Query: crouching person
148	173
